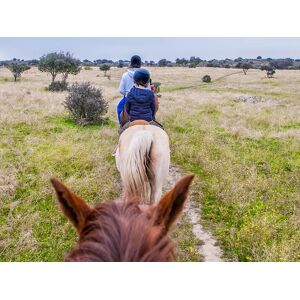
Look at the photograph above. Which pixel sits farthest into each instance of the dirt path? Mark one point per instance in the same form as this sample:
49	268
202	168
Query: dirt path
208	250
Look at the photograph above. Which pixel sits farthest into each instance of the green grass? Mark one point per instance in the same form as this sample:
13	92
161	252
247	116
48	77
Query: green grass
186	243
220	89
291	125
246	159
249	187
6	79
35	229
175	88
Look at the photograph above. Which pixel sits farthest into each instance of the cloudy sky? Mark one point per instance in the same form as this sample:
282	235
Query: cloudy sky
151	48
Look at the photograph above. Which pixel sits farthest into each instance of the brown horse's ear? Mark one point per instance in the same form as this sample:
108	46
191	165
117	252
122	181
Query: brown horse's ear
171	205
74	208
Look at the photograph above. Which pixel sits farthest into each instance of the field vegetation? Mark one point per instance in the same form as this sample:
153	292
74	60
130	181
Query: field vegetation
246	157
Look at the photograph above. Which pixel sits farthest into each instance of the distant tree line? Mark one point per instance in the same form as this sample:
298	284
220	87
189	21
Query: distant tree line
240	63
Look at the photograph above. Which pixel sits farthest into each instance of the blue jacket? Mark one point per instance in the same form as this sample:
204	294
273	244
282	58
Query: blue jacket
140	104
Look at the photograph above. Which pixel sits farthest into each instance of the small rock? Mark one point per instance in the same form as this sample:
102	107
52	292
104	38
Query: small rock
247	99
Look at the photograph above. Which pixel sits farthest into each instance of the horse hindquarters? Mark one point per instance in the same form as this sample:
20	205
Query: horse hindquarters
143	159
133	163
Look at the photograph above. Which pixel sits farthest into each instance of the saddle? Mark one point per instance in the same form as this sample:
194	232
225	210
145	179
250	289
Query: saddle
138	122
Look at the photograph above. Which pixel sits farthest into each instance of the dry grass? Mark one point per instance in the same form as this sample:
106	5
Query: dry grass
246	157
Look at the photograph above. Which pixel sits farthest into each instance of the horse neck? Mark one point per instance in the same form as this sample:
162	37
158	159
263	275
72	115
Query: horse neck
121	233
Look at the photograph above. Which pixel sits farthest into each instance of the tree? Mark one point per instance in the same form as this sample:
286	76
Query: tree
181	61
59	63
17	68
87	63
162	63
259	57
120	64
282	63
246	67
70	65
104	68
195	60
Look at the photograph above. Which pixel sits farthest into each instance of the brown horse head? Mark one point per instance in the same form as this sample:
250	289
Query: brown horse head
123	231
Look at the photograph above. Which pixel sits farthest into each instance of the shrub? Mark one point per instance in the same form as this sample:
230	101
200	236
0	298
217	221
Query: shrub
88	68
270	71
206	78
86	103
59	63
192	65
156	87
17	68
104	68
58	86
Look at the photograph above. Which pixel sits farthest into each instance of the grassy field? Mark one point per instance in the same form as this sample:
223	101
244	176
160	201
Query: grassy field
246	157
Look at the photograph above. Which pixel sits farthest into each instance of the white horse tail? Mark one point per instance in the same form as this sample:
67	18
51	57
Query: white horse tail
135	169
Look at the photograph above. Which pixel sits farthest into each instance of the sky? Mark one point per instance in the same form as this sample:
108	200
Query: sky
151	48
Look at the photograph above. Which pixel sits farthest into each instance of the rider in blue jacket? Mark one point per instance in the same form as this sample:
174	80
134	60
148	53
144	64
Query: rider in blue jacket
140	104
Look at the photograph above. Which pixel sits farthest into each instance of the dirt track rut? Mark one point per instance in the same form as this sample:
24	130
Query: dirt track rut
209	250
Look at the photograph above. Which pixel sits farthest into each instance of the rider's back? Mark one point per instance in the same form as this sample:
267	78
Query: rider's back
140	104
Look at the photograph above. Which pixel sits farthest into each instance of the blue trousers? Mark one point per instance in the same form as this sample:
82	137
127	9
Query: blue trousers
120	107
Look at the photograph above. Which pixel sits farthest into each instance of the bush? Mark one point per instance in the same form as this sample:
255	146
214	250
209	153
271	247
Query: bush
206	78
17	68
193	65
88	68
156	87
86	103
270	71
58	86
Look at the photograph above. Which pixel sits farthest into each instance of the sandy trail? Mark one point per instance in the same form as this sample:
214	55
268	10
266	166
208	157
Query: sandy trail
209	250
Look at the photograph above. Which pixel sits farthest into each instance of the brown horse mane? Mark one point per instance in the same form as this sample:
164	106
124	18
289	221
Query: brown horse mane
121	231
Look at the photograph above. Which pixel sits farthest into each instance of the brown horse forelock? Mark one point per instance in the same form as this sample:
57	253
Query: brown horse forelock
122	232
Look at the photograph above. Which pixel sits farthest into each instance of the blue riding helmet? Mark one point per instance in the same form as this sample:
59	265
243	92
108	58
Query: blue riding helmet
141	76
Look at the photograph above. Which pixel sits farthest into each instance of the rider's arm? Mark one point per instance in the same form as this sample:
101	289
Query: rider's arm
122	88
128	103
152	105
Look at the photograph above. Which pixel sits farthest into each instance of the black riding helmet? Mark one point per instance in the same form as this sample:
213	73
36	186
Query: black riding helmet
141	77
135	62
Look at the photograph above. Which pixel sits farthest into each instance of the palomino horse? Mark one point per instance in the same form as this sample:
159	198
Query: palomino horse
143	160
123	231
